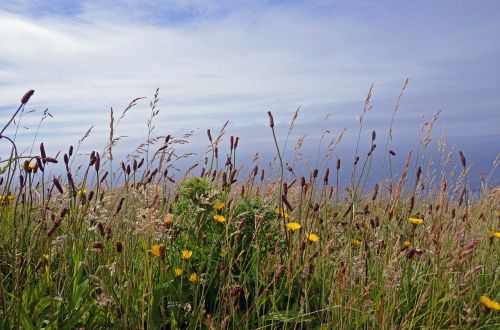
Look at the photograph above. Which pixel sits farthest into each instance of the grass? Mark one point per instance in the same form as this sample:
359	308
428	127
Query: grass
129	246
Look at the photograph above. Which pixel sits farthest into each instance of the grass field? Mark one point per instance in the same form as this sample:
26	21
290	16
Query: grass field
130	245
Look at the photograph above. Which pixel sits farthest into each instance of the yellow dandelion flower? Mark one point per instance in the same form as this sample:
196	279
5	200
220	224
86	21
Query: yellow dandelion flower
186	254
193	278
157	249
82	192
356	242
416	221
495	234
32	166
177	272
407	243
218	206
313	238
279	211
169	219
219	218
11	197
491	304
46	256
293	226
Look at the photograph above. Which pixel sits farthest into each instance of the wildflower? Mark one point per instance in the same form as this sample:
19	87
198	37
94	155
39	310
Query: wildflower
280	212
219	218
177	272
356	242
495	234
193	278
169	219
490	304
293	226
218	206
46	256
416	221
186	254
157	250
82	192
313	238
407	243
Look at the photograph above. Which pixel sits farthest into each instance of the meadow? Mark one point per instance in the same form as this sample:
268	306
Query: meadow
94	242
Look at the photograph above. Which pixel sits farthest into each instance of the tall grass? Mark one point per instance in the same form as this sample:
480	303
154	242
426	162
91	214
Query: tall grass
127	245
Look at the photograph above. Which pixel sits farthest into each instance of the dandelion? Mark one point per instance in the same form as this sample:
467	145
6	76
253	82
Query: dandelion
495	234
416	221
32	166
219	218
186	254
280	212
218	206
157	250
407	243
46	256
490	304
193	278
356	242
82	192
313	238
293	226
169	219
177	272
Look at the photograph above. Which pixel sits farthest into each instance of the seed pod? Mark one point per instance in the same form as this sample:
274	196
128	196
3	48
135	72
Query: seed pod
375	192
118	246
57	184
42	151
392	153
100	227
66	160
209	135
356	160
231	143
123	167
302	181
104	177
51	160
315	173
374	135
262	175
419	172
271	119
39	163
134	165
462	159
91	195
97	245
140	163
285	189
325	177
236	142
70	152
338	164
97	164
120	205
27	96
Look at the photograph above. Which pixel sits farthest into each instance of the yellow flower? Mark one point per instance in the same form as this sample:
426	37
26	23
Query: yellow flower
313	238
416	221
169	219
82	192
281	212
157	250
178	272
218	206
193	278
491	304
356	242
293	226
11	197
495	234
407	243
32	166
219	218
46	256
186	254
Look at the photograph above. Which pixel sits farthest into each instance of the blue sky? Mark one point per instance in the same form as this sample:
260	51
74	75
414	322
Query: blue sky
235	60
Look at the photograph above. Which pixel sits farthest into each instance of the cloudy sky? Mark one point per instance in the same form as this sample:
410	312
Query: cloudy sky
235	60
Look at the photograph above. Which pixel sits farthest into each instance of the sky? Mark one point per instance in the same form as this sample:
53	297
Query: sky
235	60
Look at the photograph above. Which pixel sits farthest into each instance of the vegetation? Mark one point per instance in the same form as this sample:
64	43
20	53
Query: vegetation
132	246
